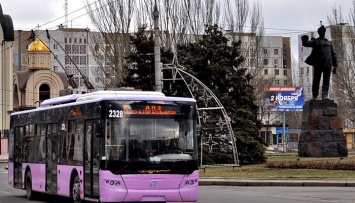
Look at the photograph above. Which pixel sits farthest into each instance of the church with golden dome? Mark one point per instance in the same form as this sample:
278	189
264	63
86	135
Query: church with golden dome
38	82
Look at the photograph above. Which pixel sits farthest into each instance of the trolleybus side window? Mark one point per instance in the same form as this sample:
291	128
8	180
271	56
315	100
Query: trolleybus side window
11	146
75	142
41	142
29	145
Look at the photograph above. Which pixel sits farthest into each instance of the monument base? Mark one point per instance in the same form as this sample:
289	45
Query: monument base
322	134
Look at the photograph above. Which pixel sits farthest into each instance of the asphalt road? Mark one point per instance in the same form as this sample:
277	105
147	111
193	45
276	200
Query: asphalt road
217	194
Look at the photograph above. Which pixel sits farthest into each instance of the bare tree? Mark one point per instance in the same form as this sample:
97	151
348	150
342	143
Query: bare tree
252	42
180	22
343	40
295	71
113	20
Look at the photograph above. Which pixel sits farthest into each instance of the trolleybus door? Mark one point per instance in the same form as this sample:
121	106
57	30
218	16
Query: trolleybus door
18	156
91	151
51	158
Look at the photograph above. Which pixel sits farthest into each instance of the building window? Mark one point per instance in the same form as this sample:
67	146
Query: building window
266	62
284	62
68	49
107	70
276	51
75	49
277	72
293	137
277	82
80	40
82	49
76	59
301	71
307	69
265	51
55	46
285	72
276	61
285	82
266	71
108	49
67	60
69	40
55	57
55	68
84	41
82	60
65	40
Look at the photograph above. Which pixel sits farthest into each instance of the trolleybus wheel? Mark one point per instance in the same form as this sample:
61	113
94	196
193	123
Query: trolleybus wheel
76	190
29	193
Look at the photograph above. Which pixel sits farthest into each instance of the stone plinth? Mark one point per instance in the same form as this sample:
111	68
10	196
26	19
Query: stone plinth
321	134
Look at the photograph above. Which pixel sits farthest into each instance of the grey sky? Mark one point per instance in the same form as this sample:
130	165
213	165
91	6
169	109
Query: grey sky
281	17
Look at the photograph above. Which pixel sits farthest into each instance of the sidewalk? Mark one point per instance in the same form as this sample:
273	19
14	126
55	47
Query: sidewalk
260	182
4	158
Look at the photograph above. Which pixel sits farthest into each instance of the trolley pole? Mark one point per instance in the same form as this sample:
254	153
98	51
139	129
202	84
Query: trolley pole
158	73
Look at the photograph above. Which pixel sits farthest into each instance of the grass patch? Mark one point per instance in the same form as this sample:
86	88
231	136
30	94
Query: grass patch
264	171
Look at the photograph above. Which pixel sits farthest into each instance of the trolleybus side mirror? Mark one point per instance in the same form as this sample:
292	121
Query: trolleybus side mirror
98	128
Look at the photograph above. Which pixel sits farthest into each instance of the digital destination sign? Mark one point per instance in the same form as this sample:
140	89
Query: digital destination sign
150	109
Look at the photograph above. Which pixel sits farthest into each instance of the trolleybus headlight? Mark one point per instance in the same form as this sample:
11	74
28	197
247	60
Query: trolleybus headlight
113	182
190	182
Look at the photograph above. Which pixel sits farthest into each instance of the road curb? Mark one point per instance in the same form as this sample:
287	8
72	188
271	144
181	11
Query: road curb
277	183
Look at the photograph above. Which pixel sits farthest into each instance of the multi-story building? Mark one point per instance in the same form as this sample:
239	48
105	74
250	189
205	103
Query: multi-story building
70	53
277	60
269	59
276	72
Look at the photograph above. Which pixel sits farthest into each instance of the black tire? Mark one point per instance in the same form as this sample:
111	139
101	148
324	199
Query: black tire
30	194
75	190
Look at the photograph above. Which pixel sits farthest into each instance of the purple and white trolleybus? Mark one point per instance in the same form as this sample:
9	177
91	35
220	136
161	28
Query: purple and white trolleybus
107	146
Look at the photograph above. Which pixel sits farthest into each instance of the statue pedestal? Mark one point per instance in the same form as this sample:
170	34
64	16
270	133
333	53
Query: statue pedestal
321	134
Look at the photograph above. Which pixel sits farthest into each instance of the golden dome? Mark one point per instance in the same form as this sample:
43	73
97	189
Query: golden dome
37	46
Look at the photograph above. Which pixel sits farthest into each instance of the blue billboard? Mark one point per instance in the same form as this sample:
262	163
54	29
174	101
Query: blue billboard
283	99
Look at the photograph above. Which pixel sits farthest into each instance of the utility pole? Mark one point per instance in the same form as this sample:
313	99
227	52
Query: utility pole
158	73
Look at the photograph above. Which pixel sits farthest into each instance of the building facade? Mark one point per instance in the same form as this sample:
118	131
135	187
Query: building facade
70	53
268	58
6	68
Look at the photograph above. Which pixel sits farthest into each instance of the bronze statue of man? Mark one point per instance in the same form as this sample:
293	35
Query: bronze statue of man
322	58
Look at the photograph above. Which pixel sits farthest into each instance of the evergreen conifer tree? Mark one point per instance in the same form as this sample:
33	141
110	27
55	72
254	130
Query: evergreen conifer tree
217	64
